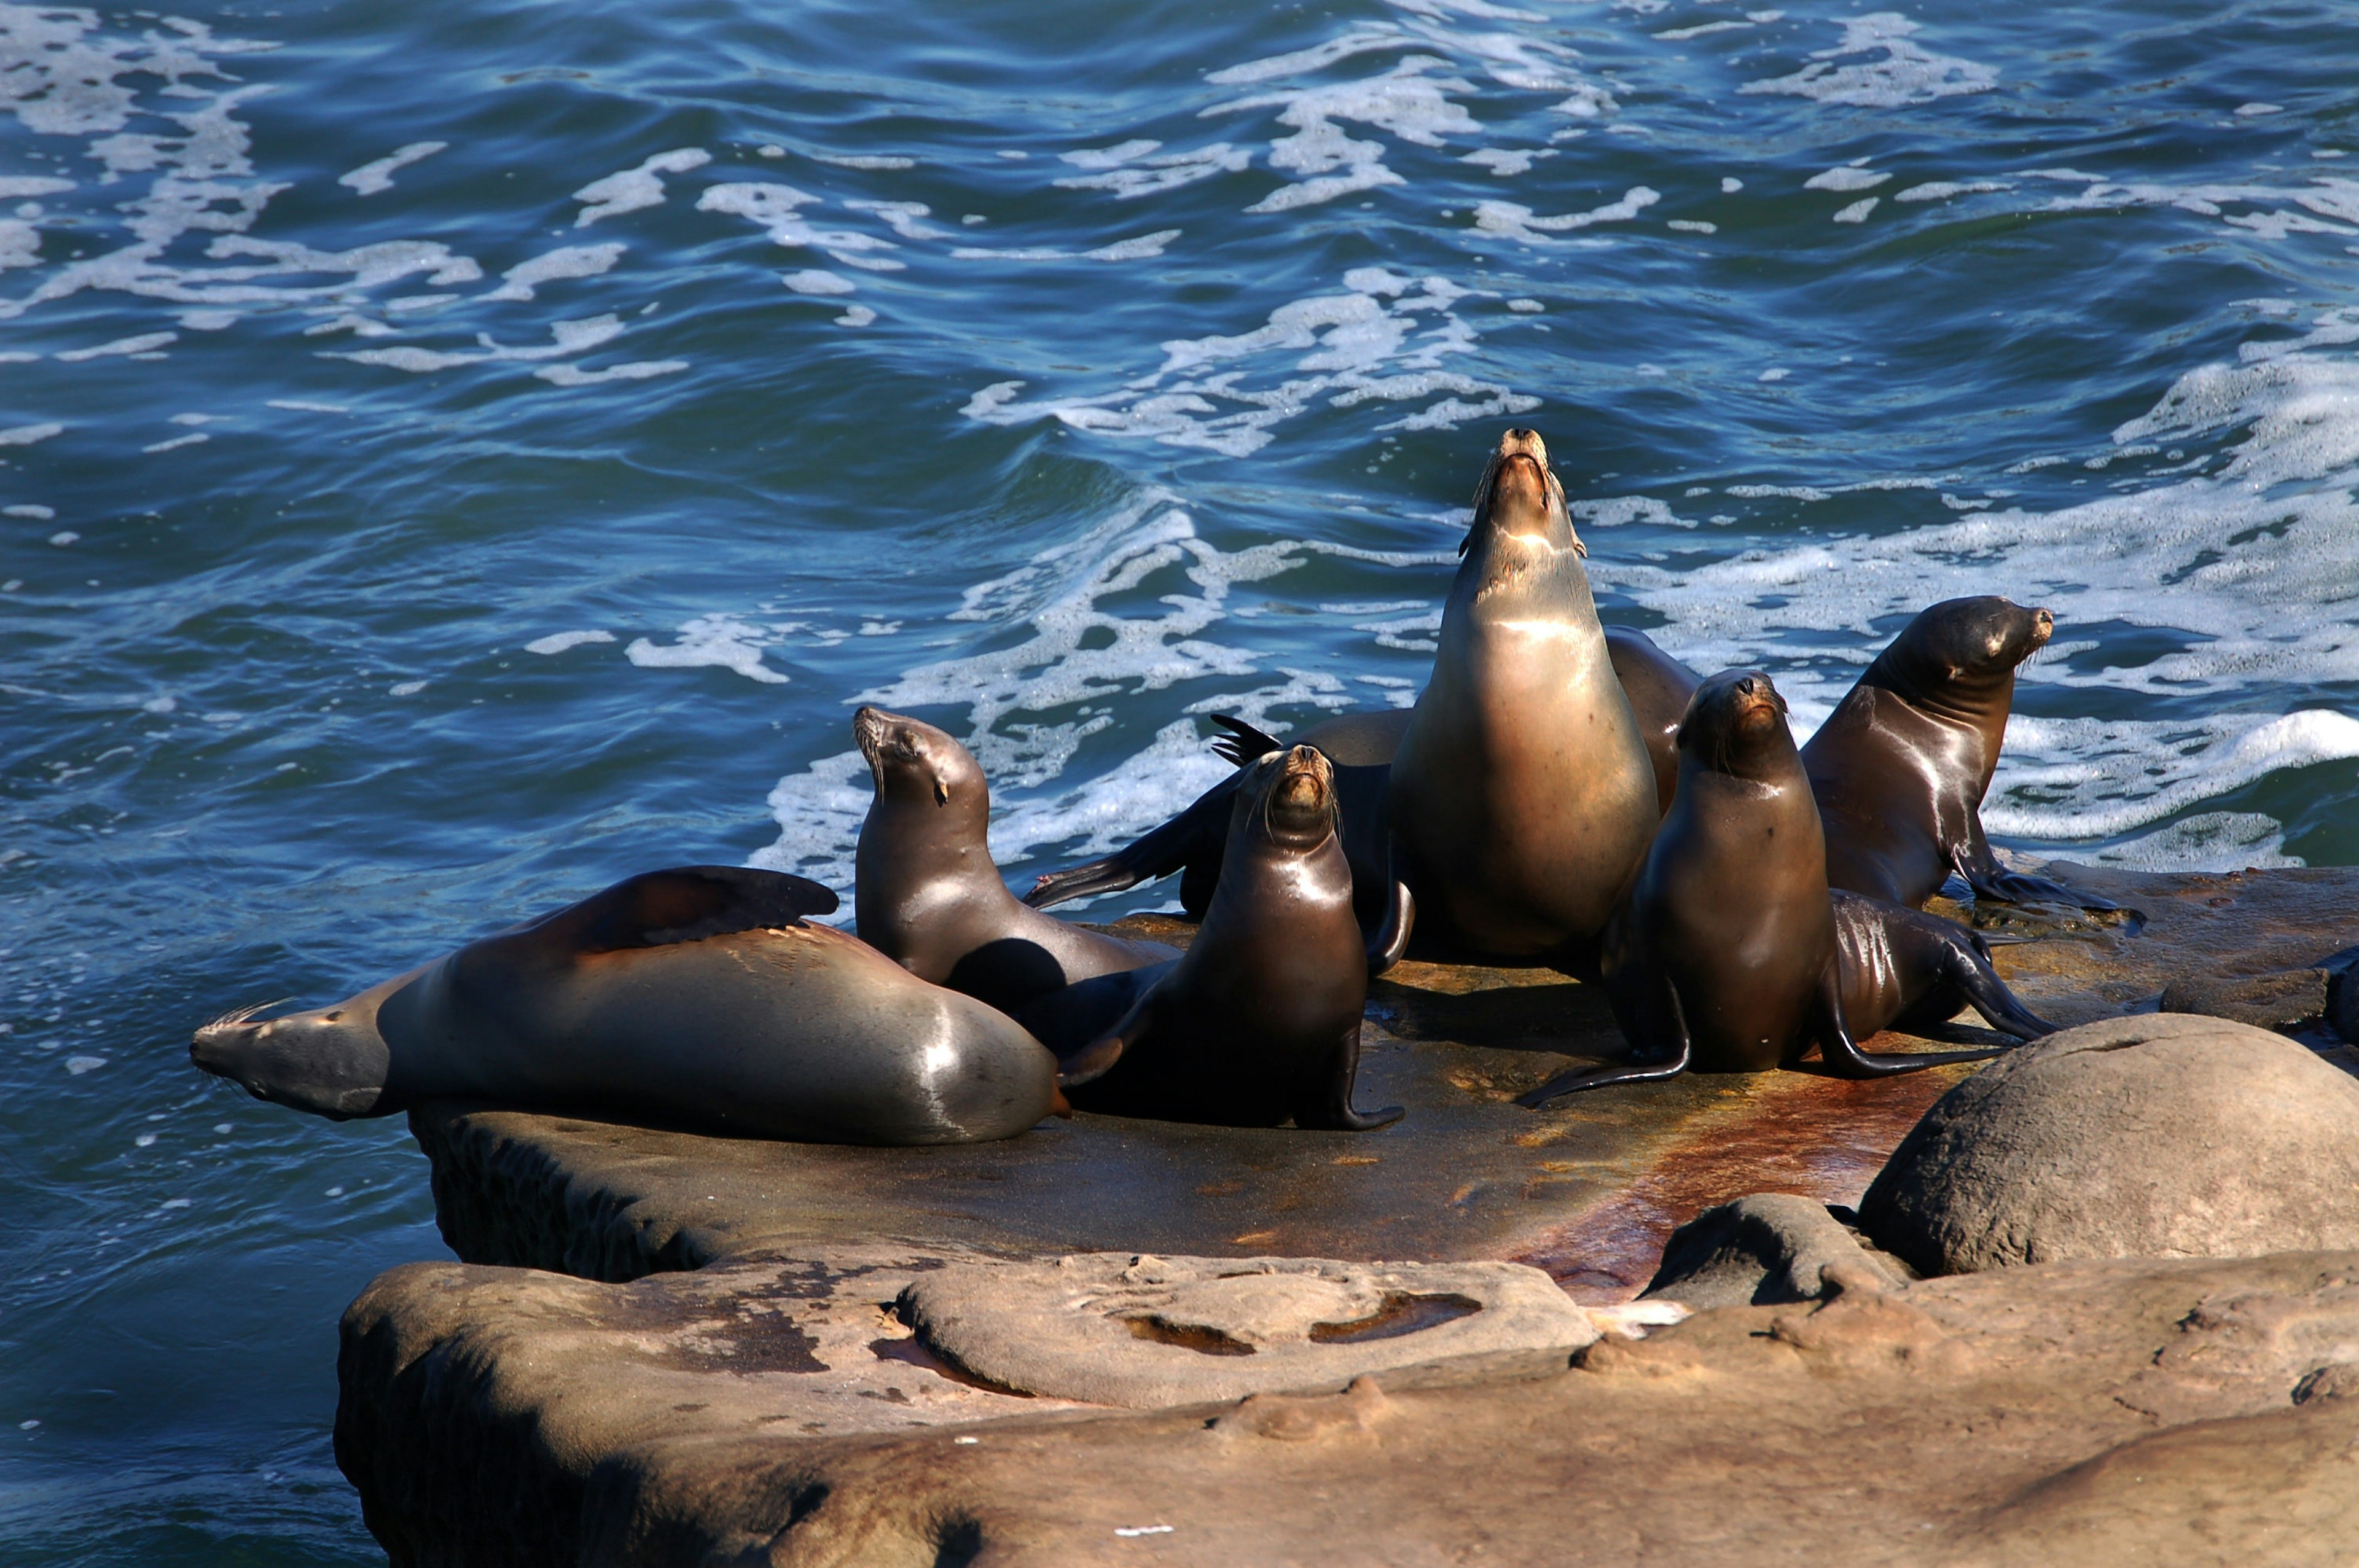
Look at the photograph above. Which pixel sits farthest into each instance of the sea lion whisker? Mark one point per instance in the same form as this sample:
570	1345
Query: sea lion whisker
238	1015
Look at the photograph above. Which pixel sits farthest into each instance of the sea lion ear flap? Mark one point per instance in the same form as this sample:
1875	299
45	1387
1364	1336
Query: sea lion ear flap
690	904
942	797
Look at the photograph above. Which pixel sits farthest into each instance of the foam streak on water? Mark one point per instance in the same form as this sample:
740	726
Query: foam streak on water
452	457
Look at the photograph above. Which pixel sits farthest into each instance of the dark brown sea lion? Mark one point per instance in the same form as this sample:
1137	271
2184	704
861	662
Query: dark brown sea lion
1902	764
1259	1021
928	896
1522	799
698	997
1730	956
1659	687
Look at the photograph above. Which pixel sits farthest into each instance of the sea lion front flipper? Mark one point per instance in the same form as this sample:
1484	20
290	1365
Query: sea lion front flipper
1332	1110
1842	1055
1242	743
685	903
1976	862
1672	1020
1098	1057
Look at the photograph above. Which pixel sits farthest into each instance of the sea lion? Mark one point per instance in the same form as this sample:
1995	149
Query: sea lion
1659	687
1901	766
1730	956
927	895
1259	1021
1522	799
698	997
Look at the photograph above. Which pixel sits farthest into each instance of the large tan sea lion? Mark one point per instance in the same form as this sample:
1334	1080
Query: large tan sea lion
1731	955
927	895
697	998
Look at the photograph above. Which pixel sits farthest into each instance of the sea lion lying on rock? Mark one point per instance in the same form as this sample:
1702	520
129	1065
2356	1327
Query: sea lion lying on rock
1730	956
1260	1020
698	997
927	895
1901	766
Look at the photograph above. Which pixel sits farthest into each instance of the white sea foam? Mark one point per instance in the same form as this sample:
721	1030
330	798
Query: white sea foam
1386	338
632	369
1942	190
1847	178
1133	174
146	342
817	280
371	178
631	189
776	208
25	435
722	641
565	262
1514	221
1902	73
1143	247
558	642
1857	211
856	315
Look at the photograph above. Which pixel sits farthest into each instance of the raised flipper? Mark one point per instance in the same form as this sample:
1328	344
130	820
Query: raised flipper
1332	1111
1098	1057
1665	1016
686	904
1242	743
1198	834
1070	1020
1391	938
1990	879
1844	1058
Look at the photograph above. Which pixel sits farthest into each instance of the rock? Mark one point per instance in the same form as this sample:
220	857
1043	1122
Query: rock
1758	1251
2285	998
2161	1135
1144	1332
770	1414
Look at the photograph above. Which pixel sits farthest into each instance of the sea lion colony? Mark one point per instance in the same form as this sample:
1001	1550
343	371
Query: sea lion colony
1559	795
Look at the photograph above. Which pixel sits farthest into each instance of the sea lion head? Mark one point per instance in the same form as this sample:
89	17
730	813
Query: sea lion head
1962	653
916	764
1735	724
330	1061
1291	795
1519	497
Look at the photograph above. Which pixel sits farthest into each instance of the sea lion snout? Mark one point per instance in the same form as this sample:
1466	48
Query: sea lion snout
910	752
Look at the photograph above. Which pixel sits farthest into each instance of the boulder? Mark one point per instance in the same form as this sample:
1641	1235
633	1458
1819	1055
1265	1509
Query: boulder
1761	1250
1146	1331
2164	1135
2283	999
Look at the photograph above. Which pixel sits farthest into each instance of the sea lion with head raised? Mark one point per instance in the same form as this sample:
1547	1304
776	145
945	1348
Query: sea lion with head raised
1522	797
1730	956
698	998
927	895
1901	766
1259	1021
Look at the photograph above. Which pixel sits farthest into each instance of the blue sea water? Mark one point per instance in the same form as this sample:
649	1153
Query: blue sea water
453	456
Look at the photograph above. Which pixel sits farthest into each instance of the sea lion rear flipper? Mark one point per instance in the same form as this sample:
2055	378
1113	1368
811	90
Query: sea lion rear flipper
1981	868
1969	969
1665	1014
1842	1055
1197	836
685	903
1242	743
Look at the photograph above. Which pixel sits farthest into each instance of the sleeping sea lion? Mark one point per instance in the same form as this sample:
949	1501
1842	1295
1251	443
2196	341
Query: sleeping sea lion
698	998
1730	956
1259	1021
1522	799
927	895
1902	764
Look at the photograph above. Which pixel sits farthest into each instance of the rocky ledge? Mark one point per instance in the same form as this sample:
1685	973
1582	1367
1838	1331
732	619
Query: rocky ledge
804	1354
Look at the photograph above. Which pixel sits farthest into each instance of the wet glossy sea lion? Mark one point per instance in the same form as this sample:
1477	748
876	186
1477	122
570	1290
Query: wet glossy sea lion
1522	799
1902	764
1659	687
928	896
1259	1021
697	998
1730	956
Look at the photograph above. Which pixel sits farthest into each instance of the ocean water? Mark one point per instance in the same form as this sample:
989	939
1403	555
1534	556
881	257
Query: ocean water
453	455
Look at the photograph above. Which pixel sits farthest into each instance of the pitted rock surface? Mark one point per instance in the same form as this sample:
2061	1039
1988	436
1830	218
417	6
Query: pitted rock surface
1761	1250
1144	1332
2162	1135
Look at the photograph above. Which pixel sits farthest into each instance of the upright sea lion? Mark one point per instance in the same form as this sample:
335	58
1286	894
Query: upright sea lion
1902	764
697	997
1730	956
1259	1021
927	895
1522	797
